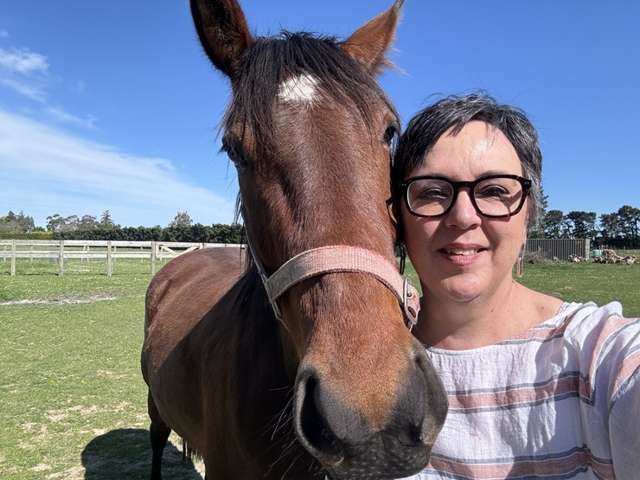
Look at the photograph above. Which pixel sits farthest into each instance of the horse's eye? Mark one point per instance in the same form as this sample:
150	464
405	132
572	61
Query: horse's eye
234	151
390	135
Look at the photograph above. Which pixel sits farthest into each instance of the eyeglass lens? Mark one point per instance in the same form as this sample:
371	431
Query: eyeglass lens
493	196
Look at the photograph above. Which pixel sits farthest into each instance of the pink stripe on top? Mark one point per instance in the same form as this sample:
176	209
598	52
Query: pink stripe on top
562	402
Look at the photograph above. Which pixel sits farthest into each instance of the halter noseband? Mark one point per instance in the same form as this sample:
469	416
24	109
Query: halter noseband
333	259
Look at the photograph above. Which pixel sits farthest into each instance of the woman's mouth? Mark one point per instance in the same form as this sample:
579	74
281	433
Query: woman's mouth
461	256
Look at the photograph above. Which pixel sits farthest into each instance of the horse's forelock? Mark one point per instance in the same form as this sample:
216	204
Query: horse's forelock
270	62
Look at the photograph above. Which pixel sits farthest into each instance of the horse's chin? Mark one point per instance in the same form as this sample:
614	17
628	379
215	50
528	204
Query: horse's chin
380	459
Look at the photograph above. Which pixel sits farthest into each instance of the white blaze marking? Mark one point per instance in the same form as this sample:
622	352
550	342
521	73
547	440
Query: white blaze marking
299	89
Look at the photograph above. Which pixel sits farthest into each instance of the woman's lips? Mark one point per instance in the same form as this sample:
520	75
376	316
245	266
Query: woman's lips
461	256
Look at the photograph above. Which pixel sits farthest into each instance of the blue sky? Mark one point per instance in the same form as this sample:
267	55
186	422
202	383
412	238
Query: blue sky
113	105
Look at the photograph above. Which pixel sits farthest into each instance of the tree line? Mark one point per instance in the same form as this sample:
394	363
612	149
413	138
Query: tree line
620	229
88	227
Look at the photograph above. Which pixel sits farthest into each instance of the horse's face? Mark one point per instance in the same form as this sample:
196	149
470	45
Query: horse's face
322	178
310	134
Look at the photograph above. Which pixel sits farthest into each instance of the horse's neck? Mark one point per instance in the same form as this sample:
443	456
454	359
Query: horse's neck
264	376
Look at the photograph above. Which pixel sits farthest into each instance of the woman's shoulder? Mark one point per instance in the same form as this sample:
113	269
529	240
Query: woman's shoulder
607	342
584	322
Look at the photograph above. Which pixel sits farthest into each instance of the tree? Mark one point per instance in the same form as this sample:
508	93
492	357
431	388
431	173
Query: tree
537	230
106	222
181	220
88	222
610	225
555	225
582	224
19	223
57	223
629	221
545	202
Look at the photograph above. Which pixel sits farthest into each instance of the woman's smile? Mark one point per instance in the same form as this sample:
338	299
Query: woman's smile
462	254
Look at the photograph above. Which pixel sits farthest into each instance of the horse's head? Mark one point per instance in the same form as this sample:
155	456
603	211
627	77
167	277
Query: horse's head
310	133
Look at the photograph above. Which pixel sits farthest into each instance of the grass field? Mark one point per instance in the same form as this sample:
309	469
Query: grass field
73	403
73	400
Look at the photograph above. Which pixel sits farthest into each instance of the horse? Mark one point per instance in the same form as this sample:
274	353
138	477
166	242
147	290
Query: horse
295	361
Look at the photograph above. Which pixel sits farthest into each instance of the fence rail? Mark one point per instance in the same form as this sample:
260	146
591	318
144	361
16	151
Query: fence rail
108	250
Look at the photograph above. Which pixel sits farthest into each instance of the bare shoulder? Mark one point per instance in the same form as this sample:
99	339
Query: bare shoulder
541	305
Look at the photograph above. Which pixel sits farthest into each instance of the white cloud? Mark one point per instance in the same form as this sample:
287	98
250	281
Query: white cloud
25	72
23	61
46	171
62	116
33	90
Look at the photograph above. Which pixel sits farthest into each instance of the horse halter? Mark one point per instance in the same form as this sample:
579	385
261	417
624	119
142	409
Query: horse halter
335	259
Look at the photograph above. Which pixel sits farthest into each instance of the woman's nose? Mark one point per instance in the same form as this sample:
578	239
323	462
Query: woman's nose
463	214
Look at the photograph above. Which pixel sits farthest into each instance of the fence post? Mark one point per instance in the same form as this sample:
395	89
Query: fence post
587	249
109	264
153	258
13	258
61	258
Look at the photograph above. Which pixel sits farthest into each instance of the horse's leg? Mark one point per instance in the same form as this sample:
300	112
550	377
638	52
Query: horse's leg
159	434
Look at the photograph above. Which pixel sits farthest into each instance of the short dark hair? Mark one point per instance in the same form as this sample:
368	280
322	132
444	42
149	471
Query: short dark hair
454	112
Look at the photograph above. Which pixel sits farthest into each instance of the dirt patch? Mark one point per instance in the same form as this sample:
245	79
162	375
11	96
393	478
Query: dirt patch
41	467
84	410
73	473
29	427
39	434
60	301
111	375
56	416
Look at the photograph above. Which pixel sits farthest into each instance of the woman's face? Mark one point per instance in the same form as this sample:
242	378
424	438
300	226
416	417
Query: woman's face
462	255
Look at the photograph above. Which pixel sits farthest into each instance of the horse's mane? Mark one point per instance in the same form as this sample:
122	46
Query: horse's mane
270	61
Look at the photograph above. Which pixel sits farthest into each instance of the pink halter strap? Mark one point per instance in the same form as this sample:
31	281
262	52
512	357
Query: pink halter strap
341	258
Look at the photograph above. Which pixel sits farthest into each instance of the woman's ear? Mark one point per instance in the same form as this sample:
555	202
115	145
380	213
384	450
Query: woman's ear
393	214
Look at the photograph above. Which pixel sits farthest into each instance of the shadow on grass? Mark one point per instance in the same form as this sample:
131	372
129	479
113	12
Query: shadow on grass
126	454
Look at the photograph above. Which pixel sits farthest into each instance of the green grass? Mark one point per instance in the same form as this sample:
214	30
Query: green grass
72	400
588	282
72	396
580	282
624	253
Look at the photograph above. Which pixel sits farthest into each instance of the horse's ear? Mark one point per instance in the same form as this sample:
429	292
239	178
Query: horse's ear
223	32
369	44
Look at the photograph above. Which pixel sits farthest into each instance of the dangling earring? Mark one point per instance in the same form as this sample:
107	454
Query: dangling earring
403	257
520	261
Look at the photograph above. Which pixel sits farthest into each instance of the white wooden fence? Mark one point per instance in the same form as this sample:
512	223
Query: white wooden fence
108	250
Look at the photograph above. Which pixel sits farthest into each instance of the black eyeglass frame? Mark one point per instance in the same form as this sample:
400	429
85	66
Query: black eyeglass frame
524	182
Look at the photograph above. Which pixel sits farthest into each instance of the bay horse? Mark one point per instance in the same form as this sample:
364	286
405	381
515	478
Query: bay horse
295	362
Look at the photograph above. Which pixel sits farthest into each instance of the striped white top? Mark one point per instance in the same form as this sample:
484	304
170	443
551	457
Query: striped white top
562	402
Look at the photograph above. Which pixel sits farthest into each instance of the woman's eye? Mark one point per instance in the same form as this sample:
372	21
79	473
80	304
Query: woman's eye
492	192
432	194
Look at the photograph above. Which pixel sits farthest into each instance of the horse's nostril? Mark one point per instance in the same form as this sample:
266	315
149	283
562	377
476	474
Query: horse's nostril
313	425
410	435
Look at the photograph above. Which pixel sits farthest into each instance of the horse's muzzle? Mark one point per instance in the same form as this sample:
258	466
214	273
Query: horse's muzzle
342	439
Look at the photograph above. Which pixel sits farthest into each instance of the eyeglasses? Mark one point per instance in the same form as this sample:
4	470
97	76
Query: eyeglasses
493	196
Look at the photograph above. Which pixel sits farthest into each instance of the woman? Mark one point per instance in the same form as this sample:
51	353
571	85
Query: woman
538	388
